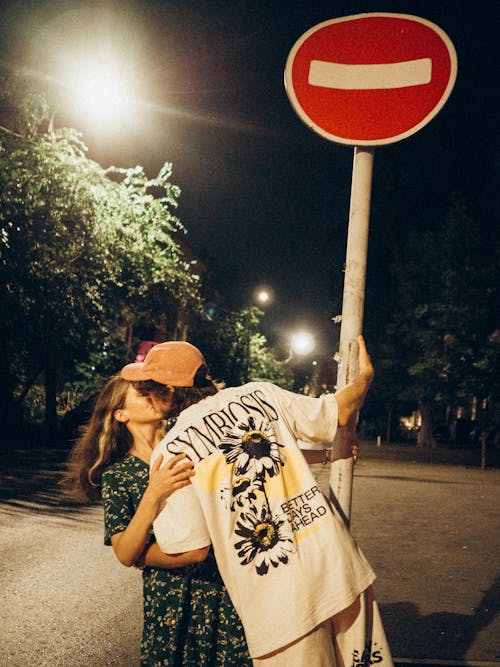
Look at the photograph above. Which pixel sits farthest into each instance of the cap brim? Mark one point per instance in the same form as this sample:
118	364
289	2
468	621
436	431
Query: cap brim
134	372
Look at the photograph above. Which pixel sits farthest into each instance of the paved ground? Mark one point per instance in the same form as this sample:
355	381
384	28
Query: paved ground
432	534
430	530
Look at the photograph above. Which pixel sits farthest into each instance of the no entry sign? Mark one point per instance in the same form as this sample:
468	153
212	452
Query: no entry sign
370	79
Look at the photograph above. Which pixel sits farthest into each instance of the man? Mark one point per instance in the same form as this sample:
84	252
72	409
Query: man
291	567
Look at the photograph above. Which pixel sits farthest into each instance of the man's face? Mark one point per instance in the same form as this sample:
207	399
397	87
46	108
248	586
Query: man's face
163	404
161	396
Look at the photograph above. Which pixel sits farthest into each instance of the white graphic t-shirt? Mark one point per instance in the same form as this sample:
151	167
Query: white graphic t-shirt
287	560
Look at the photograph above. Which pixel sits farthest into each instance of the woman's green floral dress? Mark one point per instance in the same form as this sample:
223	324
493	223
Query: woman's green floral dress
189	620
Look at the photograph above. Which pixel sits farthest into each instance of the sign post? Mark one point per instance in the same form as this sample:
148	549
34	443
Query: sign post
365	80
341	470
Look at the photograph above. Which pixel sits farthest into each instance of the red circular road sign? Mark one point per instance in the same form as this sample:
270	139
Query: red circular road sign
370	79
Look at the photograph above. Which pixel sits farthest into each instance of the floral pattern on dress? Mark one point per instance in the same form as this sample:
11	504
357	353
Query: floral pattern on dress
189	620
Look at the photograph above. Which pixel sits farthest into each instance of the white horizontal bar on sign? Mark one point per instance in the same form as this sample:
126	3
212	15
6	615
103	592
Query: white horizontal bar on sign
370	77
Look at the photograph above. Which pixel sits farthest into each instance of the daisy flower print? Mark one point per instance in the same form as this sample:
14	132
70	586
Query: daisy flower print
265	540
253	448
243	491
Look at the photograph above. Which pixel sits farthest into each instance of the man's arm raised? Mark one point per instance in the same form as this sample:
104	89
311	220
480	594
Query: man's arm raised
352	396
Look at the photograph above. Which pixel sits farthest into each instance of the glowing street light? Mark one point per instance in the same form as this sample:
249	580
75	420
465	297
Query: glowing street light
263	295
95	59
103	92
100	90
302	343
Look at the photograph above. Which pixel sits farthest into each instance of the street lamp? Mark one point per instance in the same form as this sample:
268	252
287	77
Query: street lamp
302	343
101	91
263	295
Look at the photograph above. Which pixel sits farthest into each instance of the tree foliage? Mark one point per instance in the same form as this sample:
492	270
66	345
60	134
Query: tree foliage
83	250
235	349
87	252
439	338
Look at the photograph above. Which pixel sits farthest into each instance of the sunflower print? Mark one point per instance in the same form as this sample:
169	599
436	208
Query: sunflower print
244	491
265	540
252	448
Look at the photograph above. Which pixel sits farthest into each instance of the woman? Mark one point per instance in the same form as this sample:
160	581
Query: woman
188	617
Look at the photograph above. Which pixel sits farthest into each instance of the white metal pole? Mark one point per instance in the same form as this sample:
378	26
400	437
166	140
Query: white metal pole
341	469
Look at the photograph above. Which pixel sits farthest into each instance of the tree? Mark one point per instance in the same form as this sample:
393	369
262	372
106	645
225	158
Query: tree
235	349
447	288
264	365
87	254
83	250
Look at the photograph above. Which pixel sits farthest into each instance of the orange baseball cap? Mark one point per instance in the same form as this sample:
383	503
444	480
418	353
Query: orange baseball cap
172	363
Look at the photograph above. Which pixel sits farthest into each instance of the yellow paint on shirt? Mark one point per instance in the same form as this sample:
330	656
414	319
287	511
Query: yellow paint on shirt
212	472
305	532
291	480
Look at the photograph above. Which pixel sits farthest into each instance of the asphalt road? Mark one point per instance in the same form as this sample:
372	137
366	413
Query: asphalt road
430	530
65	599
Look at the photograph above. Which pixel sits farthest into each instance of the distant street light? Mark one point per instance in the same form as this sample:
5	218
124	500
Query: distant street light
301	343
263	295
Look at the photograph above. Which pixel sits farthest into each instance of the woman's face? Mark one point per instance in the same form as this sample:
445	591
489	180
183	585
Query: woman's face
139	409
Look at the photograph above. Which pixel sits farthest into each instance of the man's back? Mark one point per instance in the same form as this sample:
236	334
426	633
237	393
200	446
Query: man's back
287	561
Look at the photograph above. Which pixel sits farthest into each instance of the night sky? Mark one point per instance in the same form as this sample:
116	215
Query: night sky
265	198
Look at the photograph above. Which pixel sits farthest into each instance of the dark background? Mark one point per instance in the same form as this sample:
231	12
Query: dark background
264	199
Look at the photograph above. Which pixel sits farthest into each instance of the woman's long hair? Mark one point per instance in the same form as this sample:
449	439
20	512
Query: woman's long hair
103	441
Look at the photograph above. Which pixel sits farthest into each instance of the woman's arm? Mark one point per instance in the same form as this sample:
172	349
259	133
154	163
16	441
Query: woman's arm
154	557
130	544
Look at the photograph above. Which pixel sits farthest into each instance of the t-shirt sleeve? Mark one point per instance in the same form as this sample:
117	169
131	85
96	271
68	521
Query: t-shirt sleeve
181	525
310	419
118	510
